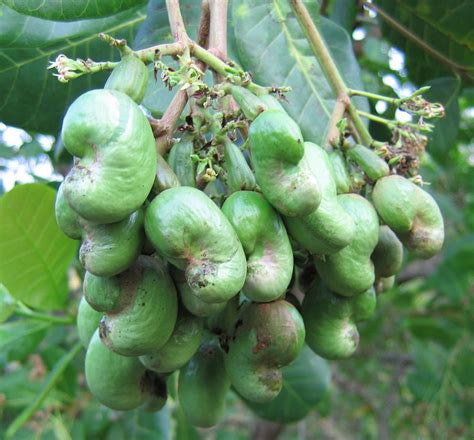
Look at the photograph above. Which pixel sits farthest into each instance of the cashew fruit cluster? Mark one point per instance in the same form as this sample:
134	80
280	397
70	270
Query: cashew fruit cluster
218	259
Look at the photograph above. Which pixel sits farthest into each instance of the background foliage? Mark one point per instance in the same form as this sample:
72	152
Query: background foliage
412	375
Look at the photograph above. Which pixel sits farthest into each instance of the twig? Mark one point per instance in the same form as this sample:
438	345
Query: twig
28	313
328	66
334	134
51	381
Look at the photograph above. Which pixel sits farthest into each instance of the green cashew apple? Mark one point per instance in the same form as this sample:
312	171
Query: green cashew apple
329	228
341	173
383	284
411	213
87	322
108	249
189	300
351	271
369	162
330	320
179	348
119	382
388	254
149	307
267	337
266	245
180	161
130	76
165	177
223	322
116	157
192	233
203	385
281	168
271	102
103	294
250	104
239	174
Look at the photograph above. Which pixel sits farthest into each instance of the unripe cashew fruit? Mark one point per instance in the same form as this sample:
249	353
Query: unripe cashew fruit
384	283
388	254
87	322
130	76
266	245
341	173
203	385
281	168
106	250
189	300
103	294
179	348
180	161
239	174
250	104
368	160
191	232
165	177
119	382
329	228
271	102
330	320
223	322
411	213
149	307
116	156
267	337
351	271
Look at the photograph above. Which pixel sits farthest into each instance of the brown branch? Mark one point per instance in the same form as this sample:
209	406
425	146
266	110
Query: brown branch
175	19
340	107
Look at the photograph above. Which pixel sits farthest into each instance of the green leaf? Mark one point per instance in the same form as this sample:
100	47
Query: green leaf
66	10
272	46
34	253
343	12
13	333
7	304
305	383
443	138
442	29
32	97
139	425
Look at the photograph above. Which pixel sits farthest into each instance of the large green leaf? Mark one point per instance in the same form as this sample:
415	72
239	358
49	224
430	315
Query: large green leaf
305	383
12	333
446	91
444	27
272	46
32	97
71	9
34	253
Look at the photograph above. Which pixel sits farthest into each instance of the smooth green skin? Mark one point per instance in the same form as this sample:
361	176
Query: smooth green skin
250	105
271	103
370	163
203	385
388	254
103	294
67	219
107	250
411	213
66	10
150	308
192	233
189	300
118	382
179	159
115	156
87	322
266	245
351	271
223	322
130	76
281	169
267	337
330	320
341	173
165	177
239	175
330	228
179	348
